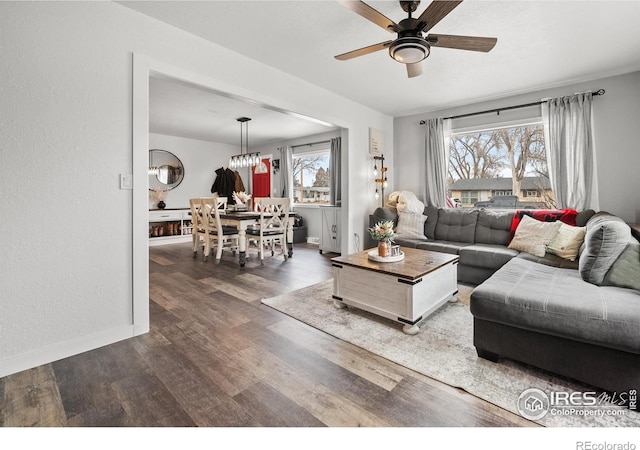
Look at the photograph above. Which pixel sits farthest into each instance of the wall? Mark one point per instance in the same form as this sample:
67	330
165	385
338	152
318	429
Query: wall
200	160
615	119
67	111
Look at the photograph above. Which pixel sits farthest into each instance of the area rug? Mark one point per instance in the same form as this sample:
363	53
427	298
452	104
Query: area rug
442	350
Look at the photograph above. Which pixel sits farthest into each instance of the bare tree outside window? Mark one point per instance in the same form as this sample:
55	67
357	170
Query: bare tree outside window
311	178
509	160
475	155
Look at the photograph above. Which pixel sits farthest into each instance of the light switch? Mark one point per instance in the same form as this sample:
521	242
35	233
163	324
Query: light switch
126	181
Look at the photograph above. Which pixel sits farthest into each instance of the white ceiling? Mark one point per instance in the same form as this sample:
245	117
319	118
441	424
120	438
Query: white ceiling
184	110
540	44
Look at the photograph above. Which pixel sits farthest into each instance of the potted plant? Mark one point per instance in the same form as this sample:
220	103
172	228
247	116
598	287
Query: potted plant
383	233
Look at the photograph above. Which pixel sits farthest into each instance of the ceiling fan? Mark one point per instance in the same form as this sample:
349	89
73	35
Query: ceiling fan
412	46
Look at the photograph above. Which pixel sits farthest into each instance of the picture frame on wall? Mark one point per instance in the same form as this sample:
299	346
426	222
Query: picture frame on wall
376	142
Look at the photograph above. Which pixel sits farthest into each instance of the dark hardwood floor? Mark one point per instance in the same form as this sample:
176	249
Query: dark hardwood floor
217	357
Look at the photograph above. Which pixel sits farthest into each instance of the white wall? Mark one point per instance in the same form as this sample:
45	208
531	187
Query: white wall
67	276
200	160
615	117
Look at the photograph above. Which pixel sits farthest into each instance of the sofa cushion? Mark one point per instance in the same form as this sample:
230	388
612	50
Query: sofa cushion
486	255
607	237
550	260
443	246
567	242
558	302
456	225
430	224
493	227
410	226
533	236
625	272
411	243
583	217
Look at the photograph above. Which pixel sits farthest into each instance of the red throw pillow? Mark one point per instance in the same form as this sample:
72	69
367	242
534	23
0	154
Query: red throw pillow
567	216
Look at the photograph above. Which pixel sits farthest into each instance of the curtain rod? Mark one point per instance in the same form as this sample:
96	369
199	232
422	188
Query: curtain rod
311	143
507	108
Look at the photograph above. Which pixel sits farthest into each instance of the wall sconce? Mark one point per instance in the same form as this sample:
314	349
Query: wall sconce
380	177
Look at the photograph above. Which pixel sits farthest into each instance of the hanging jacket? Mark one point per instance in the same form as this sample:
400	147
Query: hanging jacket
239	185
224	184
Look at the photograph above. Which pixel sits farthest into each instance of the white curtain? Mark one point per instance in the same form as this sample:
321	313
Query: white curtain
335	173
570	151
436	150
286	170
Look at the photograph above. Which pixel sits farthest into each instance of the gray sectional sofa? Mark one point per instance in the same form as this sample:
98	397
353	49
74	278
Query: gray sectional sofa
575	318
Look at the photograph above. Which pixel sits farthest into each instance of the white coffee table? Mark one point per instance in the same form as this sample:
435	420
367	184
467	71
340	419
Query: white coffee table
406	291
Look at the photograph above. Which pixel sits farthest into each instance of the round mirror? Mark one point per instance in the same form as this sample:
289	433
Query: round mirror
165	170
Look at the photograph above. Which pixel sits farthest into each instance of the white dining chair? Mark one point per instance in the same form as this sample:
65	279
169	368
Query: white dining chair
272	227
196	220
215	234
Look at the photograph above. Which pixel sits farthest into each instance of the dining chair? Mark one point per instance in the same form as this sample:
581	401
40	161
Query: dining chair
196	220
272	228
214	232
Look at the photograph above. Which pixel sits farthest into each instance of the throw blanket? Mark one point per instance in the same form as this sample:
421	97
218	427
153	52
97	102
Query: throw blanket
405	201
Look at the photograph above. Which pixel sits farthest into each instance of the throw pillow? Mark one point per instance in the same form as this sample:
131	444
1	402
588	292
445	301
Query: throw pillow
607	237
533	236
625	272
567	216
566	244
410	226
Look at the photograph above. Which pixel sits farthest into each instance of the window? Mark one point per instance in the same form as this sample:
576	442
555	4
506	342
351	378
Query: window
469	197
498	162
311	180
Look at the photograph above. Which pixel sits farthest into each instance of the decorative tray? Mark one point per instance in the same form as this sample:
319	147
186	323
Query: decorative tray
373	256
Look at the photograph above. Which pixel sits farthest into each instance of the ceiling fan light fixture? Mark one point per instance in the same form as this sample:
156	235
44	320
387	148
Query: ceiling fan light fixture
409	50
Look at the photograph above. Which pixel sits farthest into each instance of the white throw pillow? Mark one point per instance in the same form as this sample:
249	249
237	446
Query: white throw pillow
533	236
410	226
566	244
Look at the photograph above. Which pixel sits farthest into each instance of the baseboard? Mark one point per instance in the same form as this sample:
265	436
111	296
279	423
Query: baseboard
63	350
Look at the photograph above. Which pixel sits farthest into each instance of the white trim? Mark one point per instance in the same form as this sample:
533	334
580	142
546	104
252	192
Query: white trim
318	151
63	350
497	126
140	203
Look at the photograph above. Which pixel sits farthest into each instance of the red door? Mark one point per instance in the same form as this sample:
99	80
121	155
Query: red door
261	179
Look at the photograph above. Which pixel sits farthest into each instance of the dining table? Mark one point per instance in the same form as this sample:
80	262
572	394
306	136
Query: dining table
241	220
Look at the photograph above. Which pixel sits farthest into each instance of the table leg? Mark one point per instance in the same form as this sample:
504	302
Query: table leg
290	237
242	246
411	329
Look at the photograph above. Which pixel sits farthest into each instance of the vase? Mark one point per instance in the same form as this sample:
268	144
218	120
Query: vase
161	204
384	248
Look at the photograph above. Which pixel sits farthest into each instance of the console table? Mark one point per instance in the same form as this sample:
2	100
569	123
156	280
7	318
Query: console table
168	226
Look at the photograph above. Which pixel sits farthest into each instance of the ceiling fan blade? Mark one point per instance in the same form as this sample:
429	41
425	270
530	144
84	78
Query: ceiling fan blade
473	43
364	51
371	14
414	70
434	13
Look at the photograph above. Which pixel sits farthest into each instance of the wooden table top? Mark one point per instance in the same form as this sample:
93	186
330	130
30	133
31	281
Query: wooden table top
416	263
